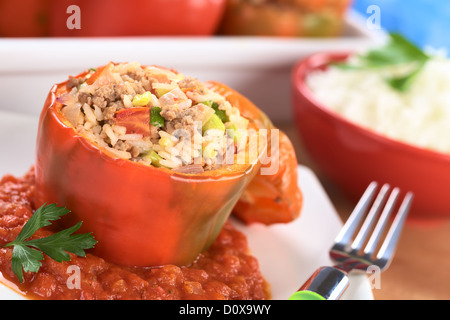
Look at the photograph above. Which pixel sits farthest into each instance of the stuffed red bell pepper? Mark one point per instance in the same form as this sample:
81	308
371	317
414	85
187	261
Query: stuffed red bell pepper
150	160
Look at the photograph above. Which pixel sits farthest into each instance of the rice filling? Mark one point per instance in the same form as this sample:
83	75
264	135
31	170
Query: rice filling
155	116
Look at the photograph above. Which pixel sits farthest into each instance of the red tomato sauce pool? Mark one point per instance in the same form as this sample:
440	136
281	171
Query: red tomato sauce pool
225	271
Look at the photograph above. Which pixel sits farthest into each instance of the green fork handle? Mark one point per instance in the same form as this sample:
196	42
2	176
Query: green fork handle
326	283
306	295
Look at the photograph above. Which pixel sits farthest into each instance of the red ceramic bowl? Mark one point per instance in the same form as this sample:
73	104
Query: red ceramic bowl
353	156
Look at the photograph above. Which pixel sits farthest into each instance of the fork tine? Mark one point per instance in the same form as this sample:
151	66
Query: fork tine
345	235
371	218
377	232
387	249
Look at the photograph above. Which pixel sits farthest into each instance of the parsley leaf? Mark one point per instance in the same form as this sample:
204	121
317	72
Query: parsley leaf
27	254
402	83
397	51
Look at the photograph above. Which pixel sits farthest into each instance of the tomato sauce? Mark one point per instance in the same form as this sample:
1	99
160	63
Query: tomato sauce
225	271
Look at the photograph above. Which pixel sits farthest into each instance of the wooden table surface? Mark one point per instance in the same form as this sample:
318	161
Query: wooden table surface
421	266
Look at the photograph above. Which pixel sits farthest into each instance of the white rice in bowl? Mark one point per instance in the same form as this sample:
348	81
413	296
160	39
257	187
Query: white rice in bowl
419	116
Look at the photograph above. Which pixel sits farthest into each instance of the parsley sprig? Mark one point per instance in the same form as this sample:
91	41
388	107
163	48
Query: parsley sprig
27	254
397	51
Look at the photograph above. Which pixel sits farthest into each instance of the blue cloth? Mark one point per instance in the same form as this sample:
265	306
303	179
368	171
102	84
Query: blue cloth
424	22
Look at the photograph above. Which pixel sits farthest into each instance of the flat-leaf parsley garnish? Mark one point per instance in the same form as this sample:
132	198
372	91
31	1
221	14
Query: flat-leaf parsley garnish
28	254
397	51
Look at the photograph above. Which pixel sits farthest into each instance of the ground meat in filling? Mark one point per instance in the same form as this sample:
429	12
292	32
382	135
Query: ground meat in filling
154	116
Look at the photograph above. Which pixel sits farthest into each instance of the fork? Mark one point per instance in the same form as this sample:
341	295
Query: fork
351	252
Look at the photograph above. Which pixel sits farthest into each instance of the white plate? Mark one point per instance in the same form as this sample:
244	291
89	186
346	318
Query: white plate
287	253
258	67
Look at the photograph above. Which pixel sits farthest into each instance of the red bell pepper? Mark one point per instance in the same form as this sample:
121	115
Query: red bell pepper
269	198
142	215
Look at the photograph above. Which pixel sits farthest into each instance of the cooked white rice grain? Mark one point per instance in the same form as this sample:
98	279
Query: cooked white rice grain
124	68
170	163
164	134
127	102
96	129
117	78
166	155
73	113
89	114
164	86
155	70
119	153
110	133
130	136
130	88
141	145
157	147
119	130
98	113
88	126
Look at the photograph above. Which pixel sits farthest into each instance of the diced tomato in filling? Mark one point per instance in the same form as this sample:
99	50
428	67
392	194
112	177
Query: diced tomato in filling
136	120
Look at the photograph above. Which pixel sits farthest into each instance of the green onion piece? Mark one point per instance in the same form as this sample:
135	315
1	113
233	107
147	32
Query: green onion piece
140	100
153	157
220	113
161	92
156	119
213	123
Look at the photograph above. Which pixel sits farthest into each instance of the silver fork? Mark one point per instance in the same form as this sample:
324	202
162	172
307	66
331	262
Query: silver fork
357	253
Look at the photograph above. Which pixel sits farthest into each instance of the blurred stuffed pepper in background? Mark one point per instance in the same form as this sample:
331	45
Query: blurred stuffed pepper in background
24	18
289	18
57	18
139	17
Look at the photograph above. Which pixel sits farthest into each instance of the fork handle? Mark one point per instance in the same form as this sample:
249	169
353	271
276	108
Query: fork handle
326	283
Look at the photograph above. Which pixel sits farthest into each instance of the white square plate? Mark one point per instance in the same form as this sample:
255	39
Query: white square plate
287	253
